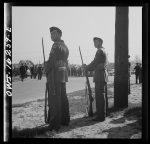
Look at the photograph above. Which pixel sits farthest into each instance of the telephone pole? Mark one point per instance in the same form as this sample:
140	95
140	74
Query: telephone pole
121	58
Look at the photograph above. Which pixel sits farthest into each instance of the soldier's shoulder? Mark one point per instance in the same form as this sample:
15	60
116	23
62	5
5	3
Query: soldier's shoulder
58	44
63	45
55	45
101	51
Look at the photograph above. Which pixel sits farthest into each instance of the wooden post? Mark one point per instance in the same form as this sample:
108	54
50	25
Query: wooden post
121	58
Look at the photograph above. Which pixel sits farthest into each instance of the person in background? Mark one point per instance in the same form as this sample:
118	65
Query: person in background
137	72
39	72
129	65
35	71
26	68
22	72
140	74
32	71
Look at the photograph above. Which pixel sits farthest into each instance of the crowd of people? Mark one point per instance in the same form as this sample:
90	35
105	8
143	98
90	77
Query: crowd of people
34	71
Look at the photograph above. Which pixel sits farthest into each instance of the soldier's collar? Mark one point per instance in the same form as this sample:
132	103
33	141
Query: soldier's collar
100	48
59	41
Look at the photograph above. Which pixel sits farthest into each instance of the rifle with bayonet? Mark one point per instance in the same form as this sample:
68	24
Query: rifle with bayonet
46	90
88	92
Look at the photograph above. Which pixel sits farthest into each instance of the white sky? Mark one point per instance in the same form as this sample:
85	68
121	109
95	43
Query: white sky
78	24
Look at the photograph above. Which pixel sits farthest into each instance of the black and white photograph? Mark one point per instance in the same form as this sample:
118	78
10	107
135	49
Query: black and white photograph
76	71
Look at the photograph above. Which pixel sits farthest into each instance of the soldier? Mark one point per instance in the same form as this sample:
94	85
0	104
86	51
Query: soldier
32	71
129	65
22	72
100	79
140	74
137	72
35	71
57	77
26	68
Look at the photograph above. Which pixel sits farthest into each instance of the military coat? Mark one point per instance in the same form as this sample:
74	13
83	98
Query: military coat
58	61
98	65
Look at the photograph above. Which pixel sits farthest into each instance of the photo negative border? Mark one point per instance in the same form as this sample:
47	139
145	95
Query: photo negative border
7	95
7	104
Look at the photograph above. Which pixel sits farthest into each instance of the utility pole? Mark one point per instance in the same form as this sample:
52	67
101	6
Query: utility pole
121	58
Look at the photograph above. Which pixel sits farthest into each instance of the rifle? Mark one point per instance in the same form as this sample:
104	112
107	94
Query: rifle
46	90
88	92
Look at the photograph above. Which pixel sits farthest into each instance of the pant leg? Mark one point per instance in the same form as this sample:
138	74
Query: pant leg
65	119
55	107
138	80
21	76
41	76
106	98
136	77
100	100
129	85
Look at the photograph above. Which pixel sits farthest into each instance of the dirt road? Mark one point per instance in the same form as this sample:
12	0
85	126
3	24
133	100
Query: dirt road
32	89
28	118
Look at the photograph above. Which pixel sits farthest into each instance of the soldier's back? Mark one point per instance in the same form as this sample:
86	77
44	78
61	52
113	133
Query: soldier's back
63	51
61	62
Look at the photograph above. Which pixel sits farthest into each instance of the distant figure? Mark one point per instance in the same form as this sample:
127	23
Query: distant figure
26	68
137	72
22	72
129	65
35	71
32	71
13	71
140	74
39	72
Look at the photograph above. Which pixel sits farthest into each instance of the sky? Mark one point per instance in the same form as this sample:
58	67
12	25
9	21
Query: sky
78	24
